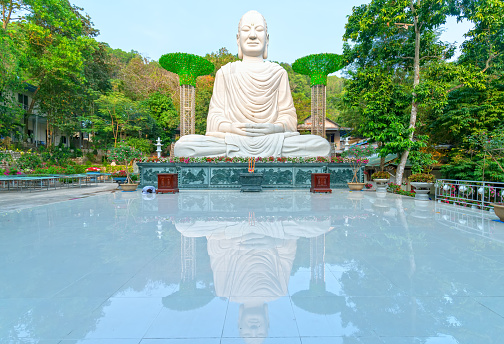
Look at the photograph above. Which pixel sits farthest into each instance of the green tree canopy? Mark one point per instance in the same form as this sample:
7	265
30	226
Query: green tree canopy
318	66
187	66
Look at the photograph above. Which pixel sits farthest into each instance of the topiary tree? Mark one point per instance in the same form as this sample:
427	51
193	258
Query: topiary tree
317	67
188	67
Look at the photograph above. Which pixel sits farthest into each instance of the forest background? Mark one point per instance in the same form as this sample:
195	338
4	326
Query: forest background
85	86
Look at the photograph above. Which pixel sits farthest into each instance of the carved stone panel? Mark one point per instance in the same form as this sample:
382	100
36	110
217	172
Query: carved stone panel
276	176
303	175
148	175
340	176
226	176
193	177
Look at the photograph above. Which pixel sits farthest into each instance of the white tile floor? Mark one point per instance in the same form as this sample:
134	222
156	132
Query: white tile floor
205	267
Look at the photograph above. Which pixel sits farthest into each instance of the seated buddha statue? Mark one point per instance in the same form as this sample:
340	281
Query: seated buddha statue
251	111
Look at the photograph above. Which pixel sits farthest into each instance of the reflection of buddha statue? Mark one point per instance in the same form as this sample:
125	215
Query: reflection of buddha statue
251	270
251	111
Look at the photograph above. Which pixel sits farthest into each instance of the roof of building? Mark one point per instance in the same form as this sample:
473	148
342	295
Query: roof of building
329	125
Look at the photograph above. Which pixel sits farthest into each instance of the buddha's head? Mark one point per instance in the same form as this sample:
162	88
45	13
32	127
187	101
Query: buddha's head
252	36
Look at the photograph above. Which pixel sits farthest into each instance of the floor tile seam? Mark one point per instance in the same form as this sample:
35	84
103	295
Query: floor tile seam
491	310
151	324
54	296
294	315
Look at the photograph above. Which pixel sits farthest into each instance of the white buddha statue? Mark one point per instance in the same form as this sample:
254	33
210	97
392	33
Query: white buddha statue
251	112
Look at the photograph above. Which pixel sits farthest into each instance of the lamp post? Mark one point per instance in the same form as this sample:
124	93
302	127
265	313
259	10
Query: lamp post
158	149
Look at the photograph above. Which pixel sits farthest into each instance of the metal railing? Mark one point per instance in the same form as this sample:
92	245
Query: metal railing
469	193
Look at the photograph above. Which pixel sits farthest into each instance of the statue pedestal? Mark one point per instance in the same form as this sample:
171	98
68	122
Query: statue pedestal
225	176
321	182
167	183
251	182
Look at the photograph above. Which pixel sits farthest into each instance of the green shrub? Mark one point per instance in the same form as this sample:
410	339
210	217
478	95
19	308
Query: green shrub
143	145
422	178
380	175
29	161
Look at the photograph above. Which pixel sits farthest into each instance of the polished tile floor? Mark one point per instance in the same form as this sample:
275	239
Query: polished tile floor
208	267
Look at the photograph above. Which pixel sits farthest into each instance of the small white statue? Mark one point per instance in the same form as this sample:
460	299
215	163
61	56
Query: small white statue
251	111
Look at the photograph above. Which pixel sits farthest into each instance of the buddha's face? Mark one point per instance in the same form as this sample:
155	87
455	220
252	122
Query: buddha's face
252	36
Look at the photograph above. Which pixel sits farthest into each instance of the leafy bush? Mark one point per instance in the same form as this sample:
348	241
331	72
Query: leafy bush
28	161
143	145
380	175
422	178
58	155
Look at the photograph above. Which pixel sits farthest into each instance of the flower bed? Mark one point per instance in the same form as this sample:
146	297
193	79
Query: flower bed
222	159
396	188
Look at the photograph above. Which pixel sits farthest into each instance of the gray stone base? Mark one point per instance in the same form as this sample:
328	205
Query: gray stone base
227	175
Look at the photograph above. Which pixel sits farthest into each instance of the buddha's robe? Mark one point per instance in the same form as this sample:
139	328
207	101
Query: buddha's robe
252	93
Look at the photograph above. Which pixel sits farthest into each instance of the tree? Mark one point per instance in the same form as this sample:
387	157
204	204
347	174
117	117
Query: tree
56	40
163	111
382	102
317	67
398	36
118	115
188	67
474	101
300	89
220	58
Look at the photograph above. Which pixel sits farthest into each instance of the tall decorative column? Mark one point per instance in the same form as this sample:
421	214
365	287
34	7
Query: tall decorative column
318	109
188	67
317	67
187	109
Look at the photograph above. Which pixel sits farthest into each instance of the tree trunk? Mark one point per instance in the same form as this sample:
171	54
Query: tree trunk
414	104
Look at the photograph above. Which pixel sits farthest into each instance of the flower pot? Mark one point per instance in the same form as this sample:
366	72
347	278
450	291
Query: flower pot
356	186
421	190
499	210
381	184
129	187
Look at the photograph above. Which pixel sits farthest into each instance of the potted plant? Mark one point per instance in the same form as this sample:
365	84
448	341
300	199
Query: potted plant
422	183
421	179
499	210
119	176
126	154
357	157
381	178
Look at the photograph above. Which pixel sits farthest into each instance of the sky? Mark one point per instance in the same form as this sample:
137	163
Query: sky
296	28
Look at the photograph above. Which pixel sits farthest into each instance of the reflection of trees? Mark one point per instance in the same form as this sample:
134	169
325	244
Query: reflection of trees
390	278
317	299
191	294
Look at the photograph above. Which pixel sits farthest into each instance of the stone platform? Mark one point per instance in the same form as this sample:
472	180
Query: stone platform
281	175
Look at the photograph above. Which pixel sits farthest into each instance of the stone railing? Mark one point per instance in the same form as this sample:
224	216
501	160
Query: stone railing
469	193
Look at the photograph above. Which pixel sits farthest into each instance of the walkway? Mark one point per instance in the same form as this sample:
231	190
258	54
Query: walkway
281	267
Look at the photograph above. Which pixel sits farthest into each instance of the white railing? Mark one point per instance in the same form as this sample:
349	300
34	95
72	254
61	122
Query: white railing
469	193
